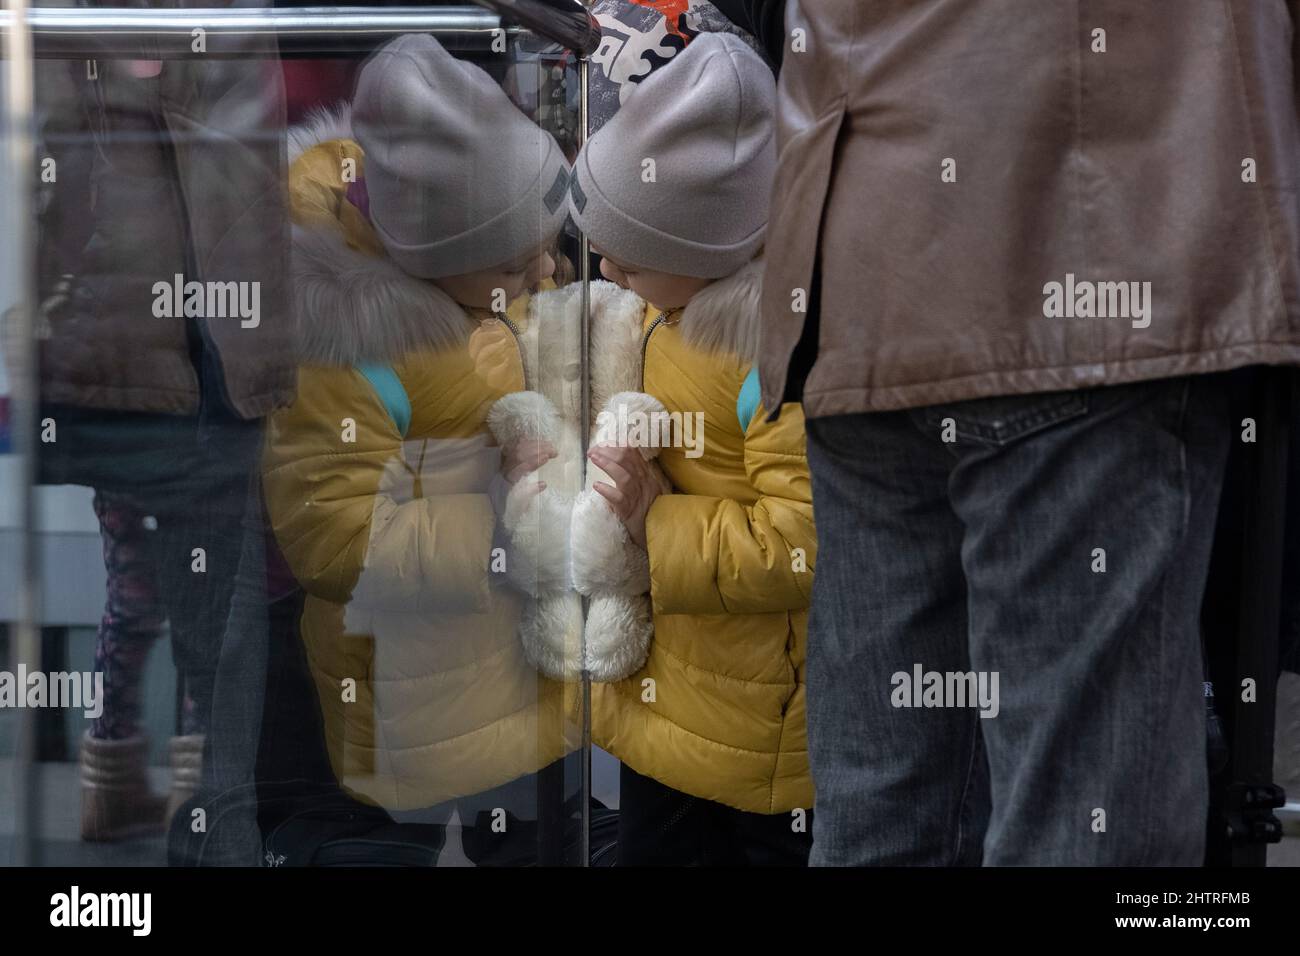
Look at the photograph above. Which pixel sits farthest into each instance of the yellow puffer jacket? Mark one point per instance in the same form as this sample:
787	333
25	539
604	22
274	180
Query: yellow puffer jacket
391	535
732	553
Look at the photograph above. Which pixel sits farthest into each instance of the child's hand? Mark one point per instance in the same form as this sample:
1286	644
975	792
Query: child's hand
635	490
524	456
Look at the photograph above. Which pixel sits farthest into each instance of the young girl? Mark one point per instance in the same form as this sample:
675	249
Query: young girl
418	217
673	193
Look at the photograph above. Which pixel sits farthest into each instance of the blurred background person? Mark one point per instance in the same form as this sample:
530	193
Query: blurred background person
167	172
1004	486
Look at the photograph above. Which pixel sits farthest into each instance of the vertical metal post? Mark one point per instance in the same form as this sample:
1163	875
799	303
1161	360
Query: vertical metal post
20	163
584	275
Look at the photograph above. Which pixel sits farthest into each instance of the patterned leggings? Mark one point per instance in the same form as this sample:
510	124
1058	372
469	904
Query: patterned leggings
133	615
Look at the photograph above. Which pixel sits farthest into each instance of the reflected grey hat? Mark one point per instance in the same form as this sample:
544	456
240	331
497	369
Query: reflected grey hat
458	178
706	119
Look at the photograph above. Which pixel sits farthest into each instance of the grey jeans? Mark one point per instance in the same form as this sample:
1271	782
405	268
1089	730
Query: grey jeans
1058	541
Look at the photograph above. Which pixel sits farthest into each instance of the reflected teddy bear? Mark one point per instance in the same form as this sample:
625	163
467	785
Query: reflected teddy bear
566	541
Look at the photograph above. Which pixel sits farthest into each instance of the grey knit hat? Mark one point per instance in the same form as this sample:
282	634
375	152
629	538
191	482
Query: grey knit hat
458	178
706	119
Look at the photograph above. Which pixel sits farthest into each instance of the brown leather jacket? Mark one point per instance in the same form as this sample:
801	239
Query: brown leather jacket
948	161
164	169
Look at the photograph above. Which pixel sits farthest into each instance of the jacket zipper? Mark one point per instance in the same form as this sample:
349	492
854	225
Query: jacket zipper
510	324
660	319
514	330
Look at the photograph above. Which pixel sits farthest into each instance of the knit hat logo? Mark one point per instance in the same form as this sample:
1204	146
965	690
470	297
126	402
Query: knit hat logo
579	197
555	195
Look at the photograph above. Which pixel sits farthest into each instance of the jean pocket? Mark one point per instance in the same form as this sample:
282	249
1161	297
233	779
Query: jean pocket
1006	418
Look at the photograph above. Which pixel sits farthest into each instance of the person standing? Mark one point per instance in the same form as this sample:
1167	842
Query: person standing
714	762
1014	245
166	177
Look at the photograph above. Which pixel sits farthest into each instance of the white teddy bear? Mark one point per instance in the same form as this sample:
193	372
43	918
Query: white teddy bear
566	542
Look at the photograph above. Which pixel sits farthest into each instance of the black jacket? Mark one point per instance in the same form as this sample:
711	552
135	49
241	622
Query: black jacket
764	19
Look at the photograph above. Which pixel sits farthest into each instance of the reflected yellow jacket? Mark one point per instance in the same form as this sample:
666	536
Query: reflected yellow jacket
410	634
717	711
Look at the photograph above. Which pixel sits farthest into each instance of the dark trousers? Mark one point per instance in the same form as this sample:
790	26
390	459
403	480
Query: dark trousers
197	484
1058	541
193	485
660	826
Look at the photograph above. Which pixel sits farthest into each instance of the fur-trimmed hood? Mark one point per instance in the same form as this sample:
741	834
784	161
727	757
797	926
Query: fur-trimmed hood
724	316
352	306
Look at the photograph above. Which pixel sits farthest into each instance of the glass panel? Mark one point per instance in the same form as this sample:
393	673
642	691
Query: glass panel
19	580
309	328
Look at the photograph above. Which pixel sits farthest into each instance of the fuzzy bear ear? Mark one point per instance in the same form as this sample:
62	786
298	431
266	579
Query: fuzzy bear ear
638	403
611	303
523	415
632	419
